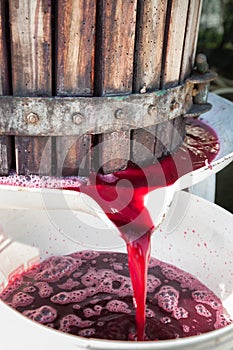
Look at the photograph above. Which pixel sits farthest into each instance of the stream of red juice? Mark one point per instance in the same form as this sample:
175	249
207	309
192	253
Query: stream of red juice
121	195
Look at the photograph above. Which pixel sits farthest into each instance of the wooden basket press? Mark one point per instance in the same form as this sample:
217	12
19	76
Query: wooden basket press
90	84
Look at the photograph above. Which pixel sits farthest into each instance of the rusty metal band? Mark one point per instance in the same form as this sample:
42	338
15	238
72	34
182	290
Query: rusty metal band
65	116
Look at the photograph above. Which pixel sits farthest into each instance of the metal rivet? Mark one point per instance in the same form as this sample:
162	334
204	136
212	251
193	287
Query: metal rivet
32	118
77	118
174	105
152	109
119	114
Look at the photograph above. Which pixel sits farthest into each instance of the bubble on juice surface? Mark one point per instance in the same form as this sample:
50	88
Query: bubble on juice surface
168	298
179	313
85	255
202	310
29	289
45	290
152	283
88	332
44	314
68	284
222	320
57	267
22	299
35	181
175	274
11	288
207	297
89	312
72	320
118	306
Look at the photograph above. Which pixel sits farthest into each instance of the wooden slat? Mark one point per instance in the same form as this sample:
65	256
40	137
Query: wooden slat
147	70
118	35
75	35
175	41
189	48
5	142
115	74
75	47
73	155
164	132
113	151
31	72
143	146
178	132
149	44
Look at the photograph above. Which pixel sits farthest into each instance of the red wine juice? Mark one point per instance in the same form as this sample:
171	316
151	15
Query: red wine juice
121	195
90	294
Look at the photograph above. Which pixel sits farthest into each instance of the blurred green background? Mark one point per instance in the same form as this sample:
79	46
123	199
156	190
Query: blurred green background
216	41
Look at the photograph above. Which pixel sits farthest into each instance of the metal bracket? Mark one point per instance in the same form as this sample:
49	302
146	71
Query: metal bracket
66	116
200	79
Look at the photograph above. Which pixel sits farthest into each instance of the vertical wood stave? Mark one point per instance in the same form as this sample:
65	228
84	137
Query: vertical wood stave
189	47
31	74
75	47
151	17
115	73
75	40
5	141
147	70
175	41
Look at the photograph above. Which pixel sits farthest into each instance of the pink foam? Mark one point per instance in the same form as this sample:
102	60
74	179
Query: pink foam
179	313
45	290
34	181
118	306
22	299
88	312
68	284
168	298
12	286
73	320
202	310
56	268
44	314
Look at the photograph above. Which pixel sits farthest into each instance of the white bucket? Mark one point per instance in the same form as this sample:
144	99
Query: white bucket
195	236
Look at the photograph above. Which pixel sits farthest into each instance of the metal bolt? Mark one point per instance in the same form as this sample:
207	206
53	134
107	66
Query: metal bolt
77	118
174	105
119	114
32	118
201	62
152	109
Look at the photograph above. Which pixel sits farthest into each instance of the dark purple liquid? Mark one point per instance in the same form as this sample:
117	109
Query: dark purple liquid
121	195
89	294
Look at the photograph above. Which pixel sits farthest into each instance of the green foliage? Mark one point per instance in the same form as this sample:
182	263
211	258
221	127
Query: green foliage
209	38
